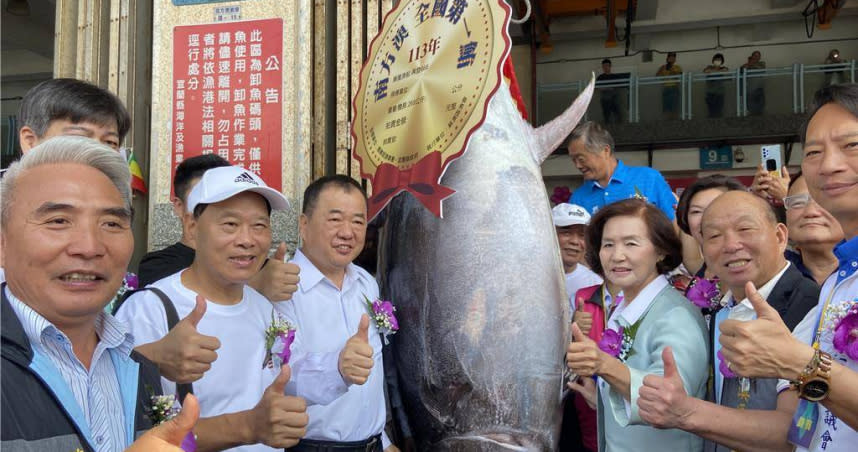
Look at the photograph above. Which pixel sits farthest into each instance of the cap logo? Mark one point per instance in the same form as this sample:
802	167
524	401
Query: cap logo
246	177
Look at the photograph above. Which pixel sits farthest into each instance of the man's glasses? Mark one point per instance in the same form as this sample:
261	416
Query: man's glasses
797	202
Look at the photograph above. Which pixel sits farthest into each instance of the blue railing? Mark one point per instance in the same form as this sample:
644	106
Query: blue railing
734	93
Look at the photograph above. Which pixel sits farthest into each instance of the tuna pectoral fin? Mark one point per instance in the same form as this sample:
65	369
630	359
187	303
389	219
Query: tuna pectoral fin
486	442
551	135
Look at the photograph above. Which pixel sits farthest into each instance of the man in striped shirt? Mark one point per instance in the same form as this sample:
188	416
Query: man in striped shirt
70	380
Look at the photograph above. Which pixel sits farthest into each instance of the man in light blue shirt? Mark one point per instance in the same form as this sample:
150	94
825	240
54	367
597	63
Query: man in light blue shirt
607	179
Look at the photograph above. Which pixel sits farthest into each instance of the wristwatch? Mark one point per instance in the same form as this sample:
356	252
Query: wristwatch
813	383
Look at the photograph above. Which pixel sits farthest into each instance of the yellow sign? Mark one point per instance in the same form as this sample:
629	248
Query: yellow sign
424	88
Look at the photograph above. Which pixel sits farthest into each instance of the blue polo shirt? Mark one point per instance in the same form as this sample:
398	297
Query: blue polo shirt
592	196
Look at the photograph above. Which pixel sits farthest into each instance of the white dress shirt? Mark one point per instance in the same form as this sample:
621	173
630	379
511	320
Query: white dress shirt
744	310
631	312
627	314
328	317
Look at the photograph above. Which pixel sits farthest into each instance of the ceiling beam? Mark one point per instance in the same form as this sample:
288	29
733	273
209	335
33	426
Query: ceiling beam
558	35
562	8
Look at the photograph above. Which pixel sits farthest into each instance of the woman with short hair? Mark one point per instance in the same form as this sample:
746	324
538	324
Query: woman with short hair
633	244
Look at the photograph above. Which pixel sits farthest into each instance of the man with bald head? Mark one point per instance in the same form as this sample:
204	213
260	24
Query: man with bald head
742	241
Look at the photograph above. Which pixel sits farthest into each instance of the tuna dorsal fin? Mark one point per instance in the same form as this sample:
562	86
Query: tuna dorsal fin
551	135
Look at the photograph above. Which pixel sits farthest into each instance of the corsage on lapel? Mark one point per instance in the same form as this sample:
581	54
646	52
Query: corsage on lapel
382	312
278	342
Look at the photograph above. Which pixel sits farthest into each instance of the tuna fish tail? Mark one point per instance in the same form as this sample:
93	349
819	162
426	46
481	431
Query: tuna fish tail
551	135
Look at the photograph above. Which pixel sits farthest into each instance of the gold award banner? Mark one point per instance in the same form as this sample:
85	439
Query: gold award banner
424	89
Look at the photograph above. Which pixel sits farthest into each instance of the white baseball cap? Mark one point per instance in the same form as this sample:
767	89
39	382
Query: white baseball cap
218	184
568	214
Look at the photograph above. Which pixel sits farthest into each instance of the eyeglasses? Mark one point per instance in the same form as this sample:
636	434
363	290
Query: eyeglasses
797	202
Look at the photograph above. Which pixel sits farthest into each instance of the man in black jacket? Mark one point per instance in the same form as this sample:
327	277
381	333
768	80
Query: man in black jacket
742	242
70	380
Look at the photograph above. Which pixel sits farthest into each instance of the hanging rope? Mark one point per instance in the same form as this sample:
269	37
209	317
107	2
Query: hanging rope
809	14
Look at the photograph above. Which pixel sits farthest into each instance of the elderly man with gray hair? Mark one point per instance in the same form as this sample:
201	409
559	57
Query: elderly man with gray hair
70	379
607	179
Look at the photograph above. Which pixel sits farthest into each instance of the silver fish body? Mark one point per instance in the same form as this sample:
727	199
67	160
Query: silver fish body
480	293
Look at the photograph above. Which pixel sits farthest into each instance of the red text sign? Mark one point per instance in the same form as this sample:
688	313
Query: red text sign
227	97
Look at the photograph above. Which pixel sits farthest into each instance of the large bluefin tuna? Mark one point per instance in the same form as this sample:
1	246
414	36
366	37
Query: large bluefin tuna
480	293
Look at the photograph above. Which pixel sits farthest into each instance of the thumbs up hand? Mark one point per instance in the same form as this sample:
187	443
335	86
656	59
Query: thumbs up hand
278	420
662	400
764	347
184	355
583	318
583	356
278	279
168	437
356	360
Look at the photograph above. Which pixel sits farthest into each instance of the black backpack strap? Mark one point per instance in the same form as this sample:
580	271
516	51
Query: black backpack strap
182	389
710	384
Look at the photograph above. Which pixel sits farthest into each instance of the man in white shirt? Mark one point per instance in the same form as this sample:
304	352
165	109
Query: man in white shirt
571	221
242	400
330	305
742	241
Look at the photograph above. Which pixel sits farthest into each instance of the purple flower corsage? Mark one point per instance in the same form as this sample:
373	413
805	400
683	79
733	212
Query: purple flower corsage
705	294
611	342
561	194
846	334
722	366
278	342
618	343
130	282
382	312
281	348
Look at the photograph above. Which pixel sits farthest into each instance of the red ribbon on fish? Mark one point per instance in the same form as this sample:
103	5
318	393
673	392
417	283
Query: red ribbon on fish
421	180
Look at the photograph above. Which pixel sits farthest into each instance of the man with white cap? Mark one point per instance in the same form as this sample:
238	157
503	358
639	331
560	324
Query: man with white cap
242	393
571	221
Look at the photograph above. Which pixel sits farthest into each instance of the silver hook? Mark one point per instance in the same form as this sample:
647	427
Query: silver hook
526	14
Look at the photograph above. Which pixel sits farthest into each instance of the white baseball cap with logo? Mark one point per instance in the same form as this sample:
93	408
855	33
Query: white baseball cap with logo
218	184
569	214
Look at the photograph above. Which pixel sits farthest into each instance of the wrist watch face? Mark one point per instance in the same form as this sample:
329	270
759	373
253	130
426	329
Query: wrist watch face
815	390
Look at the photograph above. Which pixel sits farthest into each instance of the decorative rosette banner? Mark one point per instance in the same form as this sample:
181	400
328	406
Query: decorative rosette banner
424	89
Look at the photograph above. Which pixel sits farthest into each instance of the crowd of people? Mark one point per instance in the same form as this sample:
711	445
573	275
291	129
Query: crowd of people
258	358
727	329
700	322
611	96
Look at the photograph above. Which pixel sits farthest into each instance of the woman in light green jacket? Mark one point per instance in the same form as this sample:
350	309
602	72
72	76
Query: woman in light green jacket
633	244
